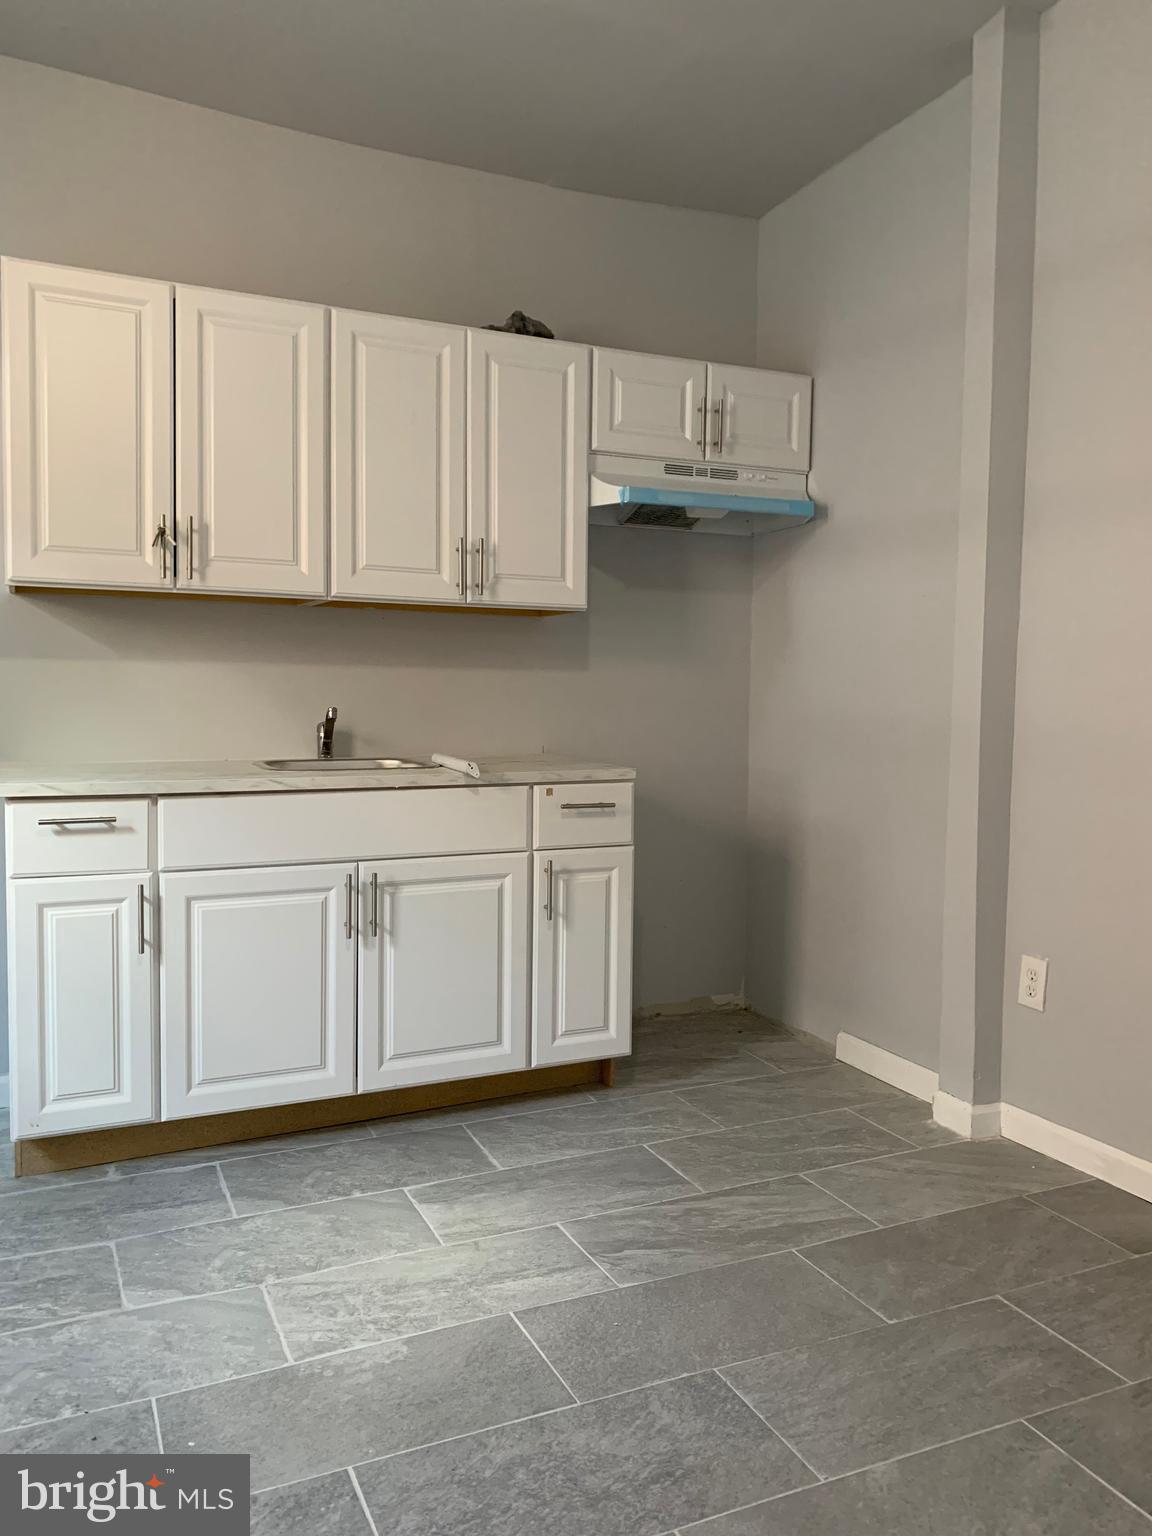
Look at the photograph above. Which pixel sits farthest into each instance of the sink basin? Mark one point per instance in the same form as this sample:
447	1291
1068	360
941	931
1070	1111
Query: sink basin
341	764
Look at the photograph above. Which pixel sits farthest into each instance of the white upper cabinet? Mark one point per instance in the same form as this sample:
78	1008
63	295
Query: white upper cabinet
398	467
655	406
258	987
527	471
759	418
81	955
87	445
250	444
443	968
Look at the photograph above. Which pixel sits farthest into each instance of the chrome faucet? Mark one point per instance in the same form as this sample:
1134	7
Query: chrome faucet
324	732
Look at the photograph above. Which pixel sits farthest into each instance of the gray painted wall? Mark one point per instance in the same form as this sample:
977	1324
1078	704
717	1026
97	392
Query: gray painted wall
862	283
654	675
1081	851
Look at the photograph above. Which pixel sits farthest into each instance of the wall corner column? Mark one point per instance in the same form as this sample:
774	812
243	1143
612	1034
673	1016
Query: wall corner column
994	435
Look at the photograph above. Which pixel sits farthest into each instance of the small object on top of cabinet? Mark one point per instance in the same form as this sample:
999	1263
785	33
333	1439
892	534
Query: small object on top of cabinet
520	324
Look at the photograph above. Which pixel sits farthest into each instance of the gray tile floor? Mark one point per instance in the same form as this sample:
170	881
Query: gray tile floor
749	1290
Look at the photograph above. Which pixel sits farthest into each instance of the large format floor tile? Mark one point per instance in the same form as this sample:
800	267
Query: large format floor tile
792	1055
324	1414
1111	1435
911	1119
225	1152
751	1153
505	1200
127	1430
1113	1213
101	1209
789	1094
49	1287
854	1401
654	1065
366	1303
68	1368
1106	1312
515	1140
909	1185
737	1028
248	1251
323	1506
281	1179
922	1266
648	1333
485	1109
1005	1482
634	1465
700	1231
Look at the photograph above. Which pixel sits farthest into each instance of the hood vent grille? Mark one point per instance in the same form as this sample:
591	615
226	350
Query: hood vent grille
648	515
701	471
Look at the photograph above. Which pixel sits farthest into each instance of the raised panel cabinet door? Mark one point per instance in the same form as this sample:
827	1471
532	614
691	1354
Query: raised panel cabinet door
527	471
582	960
759	418
81	994
87	450
443	968
258	987
250	444
653	406
397	459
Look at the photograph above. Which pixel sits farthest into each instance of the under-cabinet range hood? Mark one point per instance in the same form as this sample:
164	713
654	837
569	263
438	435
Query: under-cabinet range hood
695	498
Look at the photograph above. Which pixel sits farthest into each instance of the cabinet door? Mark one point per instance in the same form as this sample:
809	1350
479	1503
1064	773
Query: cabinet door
250	444
87	426
759	418
397	459
582	961
648	405
527	471
81	994
443	968
258	976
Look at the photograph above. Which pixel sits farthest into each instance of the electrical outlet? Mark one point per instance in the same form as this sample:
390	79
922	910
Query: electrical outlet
1033	982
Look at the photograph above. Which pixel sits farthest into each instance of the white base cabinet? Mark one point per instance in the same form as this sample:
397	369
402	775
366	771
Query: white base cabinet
141	988
443	968
582	959
259	980
81	981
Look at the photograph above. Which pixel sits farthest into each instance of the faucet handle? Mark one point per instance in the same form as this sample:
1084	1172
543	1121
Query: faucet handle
330	714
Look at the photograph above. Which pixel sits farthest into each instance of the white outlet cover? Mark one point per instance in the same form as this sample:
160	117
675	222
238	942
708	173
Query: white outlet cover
1033	982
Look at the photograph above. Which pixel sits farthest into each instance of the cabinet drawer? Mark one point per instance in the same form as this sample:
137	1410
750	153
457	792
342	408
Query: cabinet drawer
77	837
207	832
581	815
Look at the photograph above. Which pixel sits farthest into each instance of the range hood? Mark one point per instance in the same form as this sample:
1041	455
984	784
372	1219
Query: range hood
695	498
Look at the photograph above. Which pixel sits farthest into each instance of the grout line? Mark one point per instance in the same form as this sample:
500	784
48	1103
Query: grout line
467	1129
1076	1462
873	1224
276	1324
1121	1379
698	1188
560	1227
225	1190
544	1357
913	1146
1032	1200
119	1276
432	1232
782	1438
842	1287
156	1423
363	1501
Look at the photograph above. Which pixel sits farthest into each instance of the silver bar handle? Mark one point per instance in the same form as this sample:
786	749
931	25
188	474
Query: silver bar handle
548	891
723	421
77	821
140	919
188	552
717	410
462	581
374	912
480	566
161	538
587	805
348	887
703	409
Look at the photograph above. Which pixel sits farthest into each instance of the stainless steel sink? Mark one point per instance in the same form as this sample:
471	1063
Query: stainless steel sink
341	764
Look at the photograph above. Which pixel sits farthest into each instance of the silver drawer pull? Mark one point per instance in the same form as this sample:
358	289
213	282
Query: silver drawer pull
140	920
374	898
349	924
587	805
77	821
549	909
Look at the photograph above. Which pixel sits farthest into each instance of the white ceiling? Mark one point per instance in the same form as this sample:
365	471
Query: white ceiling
720	104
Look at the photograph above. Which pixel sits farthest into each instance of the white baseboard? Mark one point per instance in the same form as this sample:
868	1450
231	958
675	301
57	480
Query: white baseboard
887	1066
1124	1169
4	1091
976	1121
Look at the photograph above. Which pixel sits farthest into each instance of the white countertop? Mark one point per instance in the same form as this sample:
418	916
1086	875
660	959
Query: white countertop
40	781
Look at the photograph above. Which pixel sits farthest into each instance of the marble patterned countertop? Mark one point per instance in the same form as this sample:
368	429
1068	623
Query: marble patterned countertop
39	781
